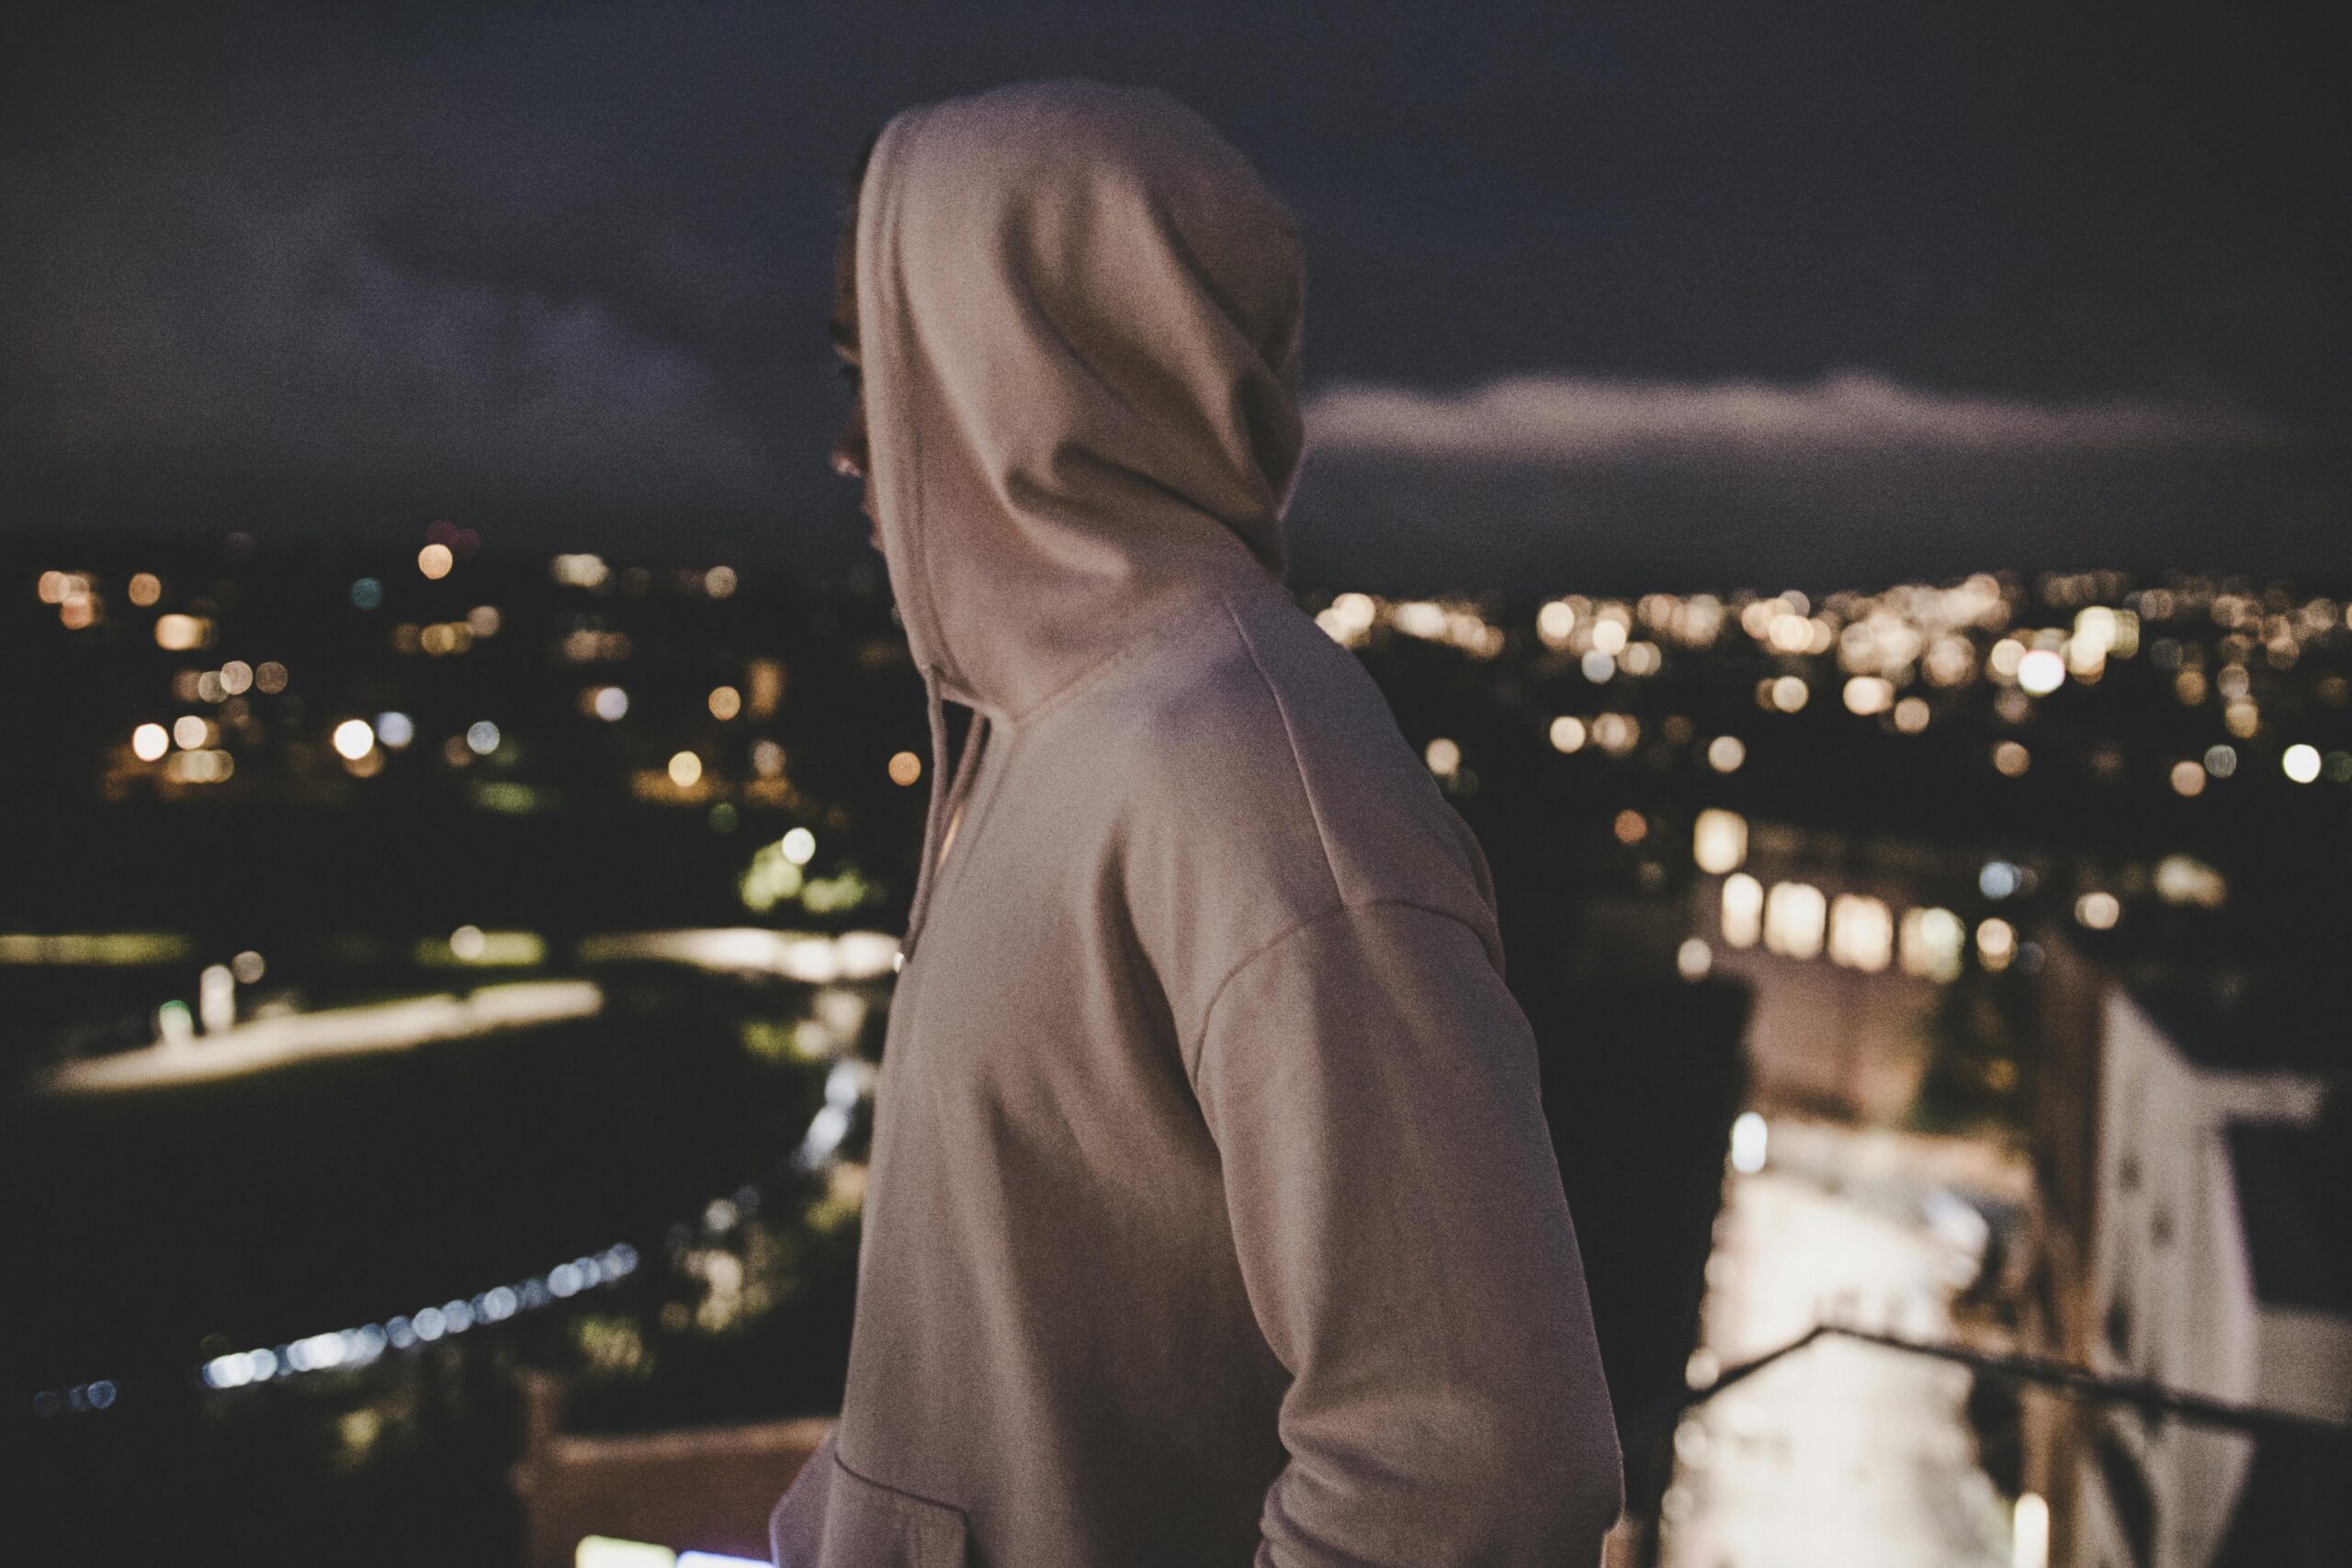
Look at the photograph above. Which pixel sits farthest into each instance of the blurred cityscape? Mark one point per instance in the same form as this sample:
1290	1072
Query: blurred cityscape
444	989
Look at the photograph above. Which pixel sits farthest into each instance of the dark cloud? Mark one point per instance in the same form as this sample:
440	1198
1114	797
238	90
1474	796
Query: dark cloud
562	268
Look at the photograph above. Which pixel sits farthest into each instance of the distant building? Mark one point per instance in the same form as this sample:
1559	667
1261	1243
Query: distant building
2192	1233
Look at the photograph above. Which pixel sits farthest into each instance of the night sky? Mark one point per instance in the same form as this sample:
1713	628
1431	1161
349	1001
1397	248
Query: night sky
1664	295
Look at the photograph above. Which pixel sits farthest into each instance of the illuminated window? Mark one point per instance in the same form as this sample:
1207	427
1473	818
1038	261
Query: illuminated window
1861	932
1742	909
1932	941
1794	915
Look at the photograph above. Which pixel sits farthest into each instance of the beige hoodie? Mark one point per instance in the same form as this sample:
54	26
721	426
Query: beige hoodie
1212	1212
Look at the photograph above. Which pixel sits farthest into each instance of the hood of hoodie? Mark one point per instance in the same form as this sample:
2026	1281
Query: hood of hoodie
1079	316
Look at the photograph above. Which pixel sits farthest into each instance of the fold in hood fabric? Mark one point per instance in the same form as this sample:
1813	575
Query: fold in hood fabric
1211	1214
1078	324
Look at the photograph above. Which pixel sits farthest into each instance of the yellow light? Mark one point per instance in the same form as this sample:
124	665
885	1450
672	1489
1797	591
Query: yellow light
905	768
2011	759
434	560
177	634
1867	695
354	739
2301	763
1630	827
269	676
1443	756
1751	1142
1555	622
799	846
1609	636
2041	672
483	620
191	731
1997	943
719	582
150	741
199	767
1931	944
144	589
1567	734
1693	959
581	571
55	586
1719	841
2098	911
1790	693
2030	1532
2183	879
1794	915
611	1552
726	701
686	770
1861	932
1616	733
236	677
2187	779
1911	714
1420	618
1726	753
2006	656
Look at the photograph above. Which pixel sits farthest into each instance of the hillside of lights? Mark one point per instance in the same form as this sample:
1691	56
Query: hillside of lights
508	937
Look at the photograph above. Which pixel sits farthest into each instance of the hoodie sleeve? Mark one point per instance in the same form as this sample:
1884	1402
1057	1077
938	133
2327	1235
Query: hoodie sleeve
1407	1248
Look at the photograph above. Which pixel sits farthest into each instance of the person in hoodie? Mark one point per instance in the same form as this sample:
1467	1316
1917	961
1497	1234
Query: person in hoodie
1212	1215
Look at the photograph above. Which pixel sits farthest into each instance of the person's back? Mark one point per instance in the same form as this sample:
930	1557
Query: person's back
1212	1212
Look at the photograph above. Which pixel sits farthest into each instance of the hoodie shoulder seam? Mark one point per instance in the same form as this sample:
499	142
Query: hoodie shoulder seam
1194	1057
1290	739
